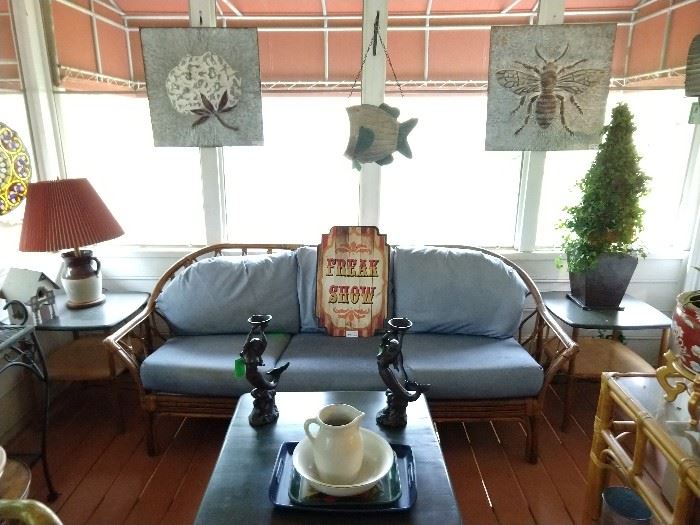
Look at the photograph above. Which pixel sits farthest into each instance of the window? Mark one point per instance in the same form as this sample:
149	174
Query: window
664	158
299	184
451	191
154	193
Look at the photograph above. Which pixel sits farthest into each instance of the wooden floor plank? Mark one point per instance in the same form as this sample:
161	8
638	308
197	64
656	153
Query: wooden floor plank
464	475
575	439
566	477
186	501
508	501
160	490
93	487
543	499
138	469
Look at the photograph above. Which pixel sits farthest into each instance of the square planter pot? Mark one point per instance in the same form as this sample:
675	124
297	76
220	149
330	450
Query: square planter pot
603	286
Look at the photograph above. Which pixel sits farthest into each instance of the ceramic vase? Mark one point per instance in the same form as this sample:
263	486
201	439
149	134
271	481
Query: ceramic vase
685	330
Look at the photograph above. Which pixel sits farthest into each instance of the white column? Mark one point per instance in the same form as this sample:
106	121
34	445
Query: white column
373	80
532	167
38	90
203	14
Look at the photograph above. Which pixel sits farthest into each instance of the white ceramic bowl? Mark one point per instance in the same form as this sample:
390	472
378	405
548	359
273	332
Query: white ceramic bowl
376	462
3	460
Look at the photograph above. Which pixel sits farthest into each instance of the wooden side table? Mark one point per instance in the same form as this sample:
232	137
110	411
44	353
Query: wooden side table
598	355
87	358
632	407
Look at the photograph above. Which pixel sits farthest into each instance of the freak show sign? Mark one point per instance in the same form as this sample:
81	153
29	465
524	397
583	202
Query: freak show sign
548	86
352	279
203	86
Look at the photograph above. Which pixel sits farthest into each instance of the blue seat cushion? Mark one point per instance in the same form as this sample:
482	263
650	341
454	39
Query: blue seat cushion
471	367
457	291
218	295
203	365
318	362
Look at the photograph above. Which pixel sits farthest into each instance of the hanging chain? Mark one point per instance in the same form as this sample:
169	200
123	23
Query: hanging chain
364	59
388	59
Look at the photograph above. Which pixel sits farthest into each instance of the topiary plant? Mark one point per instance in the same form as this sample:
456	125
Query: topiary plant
609	217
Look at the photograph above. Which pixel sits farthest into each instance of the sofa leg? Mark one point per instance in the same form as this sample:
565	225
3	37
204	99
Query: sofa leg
531	452
151	434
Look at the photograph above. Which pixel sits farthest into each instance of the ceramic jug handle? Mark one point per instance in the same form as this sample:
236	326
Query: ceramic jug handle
97	263
307	423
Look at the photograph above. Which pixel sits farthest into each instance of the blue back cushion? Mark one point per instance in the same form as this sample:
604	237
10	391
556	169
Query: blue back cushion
307	259
217	295
457	291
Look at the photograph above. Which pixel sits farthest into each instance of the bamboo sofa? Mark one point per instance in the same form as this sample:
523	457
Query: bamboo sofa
479	325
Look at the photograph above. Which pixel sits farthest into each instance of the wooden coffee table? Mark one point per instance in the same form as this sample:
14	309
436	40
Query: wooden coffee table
238	488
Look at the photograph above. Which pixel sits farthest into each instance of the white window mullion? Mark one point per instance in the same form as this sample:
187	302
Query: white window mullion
532	166
38	89
373	79
203	14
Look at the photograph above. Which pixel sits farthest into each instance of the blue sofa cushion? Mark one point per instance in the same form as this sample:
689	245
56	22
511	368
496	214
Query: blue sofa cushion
203	365
471	367
457	291
218	295
319	362
307	259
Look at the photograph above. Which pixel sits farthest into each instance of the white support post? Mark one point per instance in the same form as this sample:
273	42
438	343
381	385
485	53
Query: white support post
38	90
373	80
689	209
203	14
532	166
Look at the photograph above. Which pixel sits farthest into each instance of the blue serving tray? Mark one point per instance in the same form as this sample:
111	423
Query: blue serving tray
283	475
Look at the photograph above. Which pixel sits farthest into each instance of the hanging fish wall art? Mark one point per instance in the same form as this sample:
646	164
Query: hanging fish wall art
375	133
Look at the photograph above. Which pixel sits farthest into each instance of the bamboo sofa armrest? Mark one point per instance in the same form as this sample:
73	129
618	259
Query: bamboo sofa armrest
567	347
121	342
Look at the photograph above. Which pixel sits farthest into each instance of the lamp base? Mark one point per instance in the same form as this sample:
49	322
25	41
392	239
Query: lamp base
72	305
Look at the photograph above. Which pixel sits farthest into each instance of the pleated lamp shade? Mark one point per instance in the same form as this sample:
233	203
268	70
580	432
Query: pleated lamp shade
692	69
65	214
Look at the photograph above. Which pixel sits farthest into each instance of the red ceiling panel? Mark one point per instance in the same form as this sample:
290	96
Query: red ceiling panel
7	44
74	43
344	7
291	56
109	13
344	51
406	50
4	6
407	6
652	7
137	56
154	6
600	4
279	7
483	6
113	52
459	55
685	25
619	51
645	51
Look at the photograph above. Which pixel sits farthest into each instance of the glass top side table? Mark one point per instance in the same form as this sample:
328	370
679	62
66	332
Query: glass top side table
604	355
19	347
634	405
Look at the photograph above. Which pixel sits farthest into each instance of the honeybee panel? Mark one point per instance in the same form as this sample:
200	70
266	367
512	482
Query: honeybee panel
548	86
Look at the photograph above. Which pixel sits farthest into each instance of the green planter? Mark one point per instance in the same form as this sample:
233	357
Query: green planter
603	286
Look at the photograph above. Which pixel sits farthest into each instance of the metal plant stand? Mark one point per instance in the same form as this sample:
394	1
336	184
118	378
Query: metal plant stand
264	408
399	392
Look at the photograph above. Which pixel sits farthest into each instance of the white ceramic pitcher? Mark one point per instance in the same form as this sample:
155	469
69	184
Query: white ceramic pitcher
337	445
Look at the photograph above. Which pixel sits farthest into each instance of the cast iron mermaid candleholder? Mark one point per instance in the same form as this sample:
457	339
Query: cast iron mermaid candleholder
398	394
264	408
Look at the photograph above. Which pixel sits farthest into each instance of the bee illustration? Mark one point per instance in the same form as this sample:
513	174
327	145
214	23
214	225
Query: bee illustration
548	87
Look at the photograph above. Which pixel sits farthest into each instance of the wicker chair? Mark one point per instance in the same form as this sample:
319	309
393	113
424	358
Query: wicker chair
150	329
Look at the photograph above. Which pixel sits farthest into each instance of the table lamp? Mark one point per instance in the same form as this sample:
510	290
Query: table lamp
64	214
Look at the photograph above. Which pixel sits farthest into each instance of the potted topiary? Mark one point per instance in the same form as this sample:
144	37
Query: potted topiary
602	230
